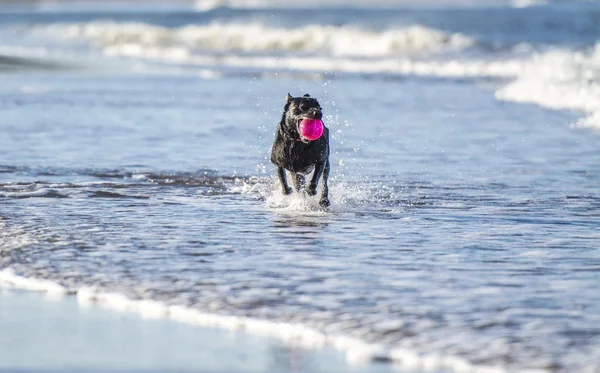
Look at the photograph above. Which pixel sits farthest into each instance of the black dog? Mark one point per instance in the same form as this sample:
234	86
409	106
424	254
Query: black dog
298	155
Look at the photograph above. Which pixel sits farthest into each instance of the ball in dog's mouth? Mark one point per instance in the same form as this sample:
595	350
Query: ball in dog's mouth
310	129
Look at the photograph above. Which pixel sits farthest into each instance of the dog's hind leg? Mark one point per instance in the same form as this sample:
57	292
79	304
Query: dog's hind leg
282	178
324	202
299	181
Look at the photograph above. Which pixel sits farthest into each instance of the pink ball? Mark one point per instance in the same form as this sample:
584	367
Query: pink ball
310	129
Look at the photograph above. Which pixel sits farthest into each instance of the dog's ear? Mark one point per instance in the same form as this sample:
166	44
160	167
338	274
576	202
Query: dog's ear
307	95
288	98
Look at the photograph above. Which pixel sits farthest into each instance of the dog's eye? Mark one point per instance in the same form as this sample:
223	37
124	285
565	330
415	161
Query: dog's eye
302	106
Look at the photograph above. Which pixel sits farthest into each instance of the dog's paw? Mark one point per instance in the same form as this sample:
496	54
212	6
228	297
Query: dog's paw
324	202
311	190
287	191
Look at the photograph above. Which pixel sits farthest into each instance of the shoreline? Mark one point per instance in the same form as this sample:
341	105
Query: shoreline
324	353
47	327
51	332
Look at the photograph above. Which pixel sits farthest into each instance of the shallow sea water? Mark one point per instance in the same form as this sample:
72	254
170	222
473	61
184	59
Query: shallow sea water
461	225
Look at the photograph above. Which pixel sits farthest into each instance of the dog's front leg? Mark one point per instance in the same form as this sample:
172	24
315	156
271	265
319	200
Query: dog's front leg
320	169
282	178
324	202
314	181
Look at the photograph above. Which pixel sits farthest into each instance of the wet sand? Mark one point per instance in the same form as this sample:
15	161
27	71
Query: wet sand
44	332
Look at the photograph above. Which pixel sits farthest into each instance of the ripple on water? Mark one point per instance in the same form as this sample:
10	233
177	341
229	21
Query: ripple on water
405	267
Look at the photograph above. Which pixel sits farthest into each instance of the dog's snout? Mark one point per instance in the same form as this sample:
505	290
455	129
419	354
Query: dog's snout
316	113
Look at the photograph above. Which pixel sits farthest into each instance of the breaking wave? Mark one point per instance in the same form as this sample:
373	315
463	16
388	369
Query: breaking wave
205	5
255	37
556	78
560	79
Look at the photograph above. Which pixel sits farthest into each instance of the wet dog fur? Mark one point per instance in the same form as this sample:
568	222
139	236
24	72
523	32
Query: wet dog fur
297	155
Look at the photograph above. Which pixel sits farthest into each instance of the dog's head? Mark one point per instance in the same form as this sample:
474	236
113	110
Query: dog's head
296	109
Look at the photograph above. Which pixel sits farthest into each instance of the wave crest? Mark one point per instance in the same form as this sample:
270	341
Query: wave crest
256	37
561	79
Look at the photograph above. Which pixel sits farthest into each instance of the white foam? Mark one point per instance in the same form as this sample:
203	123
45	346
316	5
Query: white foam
556	79
357	351
560	79
180	43
266	188
36	193
9	278
343	196
295	202
527	3
592	121
205	5
402	66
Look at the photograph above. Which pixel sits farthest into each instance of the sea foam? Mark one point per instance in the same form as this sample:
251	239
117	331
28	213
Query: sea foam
357	351
346	40
560	79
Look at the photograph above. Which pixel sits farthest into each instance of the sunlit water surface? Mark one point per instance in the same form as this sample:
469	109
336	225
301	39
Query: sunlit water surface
460	225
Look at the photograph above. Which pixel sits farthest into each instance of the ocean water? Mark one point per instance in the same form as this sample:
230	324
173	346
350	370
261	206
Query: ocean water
464	230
